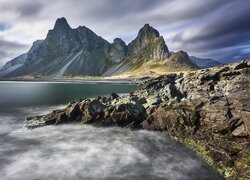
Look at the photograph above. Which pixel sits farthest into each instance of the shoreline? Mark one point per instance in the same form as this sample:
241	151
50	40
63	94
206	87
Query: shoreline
114	78
74	81
208	110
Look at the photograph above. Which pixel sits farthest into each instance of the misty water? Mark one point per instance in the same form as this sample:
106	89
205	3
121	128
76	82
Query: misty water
76	151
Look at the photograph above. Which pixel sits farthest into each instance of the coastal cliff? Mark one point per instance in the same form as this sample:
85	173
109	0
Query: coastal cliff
208	110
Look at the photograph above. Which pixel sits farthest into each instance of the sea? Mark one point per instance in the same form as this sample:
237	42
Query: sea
79	152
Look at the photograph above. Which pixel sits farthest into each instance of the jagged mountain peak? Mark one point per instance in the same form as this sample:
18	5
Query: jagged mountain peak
146	25
79	51
119	41
148	31
62	23
117	51
150	42
84	31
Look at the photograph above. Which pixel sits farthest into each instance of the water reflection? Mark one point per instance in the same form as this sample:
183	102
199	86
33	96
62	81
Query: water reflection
32	94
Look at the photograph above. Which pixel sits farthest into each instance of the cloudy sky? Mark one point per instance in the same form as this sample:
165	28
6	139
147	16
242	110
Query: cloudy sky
219	29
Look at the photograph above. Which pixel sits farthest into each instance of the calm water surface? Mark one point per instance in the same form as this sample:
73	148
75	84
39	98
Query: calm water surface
19	94
80	151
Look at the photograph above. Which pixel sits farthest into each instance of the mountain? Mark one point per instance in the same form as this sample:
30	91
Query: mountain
67	52
204	62
13	64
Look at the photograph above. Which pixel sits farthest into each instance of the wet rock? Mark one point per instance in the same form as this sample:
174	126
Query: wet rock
92	111
121	112
114	96
34	121
73	111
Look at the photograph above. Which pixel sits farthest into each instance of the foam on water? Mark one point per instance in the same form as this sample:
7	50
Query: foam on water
85	152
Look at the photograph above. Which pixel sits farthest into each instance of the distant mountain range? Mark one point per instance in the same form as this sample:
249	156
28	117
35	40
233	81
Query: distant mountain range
204	62
67	52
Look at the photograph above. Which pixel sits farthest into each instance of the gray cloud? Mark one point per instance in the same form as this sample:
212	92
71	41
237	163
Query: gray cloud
114	9
30	9
233	19
3	54
8	49
226	28
7	44
23	7
213	28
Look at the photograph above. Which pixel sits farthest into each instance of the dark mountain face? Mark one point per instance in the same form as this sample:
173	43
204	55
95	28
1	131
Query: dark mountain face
149	39
80	52
66	52
118	50
13	65
204	62
146	35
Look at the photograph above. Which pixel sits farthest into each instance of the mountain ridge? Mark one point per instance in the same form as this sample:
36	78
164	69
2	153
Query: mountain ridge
68	52
204	62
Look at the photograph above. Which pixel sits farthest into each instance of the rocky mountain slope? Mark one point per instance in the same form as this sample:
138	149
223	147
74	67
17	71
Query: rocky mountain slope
13	65
204	62
208	110
67	52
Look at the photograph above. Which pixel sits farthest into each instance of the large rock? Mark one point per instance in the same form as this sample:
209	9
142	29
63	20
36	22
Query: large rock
124	112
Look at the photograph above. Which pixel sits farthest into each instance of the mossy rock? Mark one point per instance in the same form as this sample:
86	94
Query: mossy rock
240	168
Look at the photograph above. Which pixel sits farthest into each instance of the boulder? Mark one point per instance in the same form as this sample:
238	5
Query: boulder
114	96
73	111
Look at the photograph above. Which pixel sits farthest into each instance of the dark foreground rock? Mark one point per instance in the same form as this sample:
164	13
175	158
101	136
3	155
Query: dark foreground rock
208	110
113	111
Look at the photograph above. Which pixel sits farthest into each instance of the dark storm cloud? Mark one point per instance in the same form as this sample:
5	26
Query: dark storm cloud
232	22
127	14
124	18
30	9
184	11
172	11
229	54
8	49
23	7
7	44
115	9
215	42
229	27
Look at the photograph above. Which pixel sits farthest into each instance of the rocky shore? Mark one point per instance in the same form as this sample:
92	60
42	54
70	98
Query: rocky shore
208	110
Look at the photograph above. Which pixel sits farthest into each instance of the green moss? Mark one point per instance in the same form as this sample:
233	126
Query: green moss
199	147
203	152
243	164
